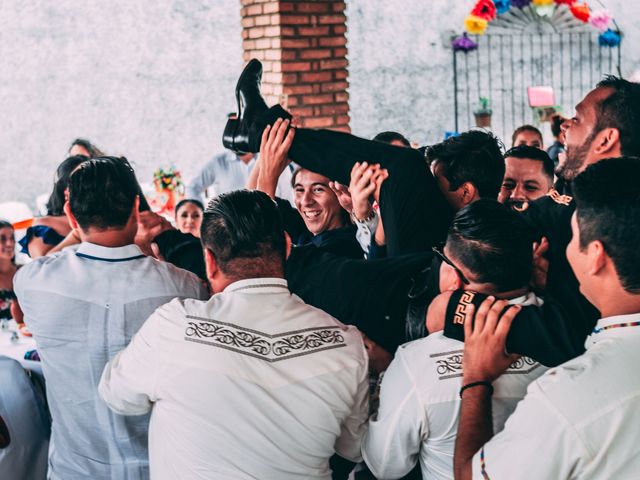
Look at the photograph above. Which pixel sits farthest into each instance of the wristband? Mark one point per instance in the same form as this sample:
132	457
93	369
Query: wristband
477	384
367	219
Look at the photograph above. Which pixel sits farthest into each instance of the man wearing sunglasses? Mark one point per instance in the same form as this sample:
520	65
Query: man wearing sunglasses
488	250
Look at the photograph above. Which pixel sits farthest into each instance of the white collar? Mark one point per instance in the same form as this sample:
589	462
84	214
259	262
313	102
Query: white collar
259	285
616	326
527	299
109	254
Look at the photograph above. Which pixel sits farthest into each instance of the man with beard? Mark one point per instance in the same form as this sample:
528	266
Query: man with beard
606	124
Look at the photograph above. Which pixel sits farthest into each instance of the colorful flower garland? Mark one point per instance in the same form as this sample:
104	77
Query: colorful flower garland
485	11
169	179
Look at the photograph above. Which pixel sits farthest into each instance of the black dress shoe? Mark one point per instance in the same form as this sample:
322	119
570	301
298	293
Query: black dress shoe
242	135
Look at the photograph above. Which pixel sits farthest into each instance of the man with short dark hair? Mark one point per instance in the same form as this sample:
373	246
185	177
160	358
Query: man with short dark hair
578	420
527	135
488	249
528	176
253	383
83	305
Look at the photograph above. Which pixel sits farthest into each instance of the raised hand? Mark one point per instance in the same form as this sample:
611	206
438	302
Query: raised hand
274	148
366	181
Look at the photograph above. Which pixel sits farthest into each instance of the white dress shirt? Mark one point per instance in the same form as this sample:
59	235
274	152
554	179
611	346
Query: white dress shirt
420	405
253	384
83	305
226	172
578	421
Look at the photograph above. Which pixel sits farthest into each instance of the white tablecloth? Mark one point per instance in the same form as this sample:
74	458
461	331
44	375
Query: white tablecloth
17	349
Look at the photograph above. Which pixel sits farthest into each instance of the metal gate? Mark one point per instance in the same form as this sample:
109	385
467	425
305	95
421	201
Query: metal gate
520	51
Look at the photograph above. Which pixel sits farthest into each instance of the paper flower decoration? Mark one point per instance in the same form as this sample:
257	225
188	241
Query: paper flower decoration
581	11
600	20
545	10
520	3
542	3
484	9
464	44
502	6
565	2
609	38
475	25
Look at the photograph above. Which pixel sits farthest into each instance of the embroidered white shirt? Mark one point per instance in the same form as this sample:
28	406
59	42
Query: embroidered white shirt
252	384
420	405
578	421
83	305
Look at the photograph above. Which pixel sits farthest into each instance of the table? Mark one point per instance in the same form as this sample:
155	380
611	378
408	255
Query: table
17	349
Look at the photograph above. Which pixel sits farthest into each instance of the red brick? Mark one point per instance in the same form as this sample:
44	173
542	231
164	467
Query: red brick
317	122
273	54
263	43
292	101
287	6
318	99
334	109
245	34
339	29
296	67
340	74
295	42
333	64
253	10
313	31
260	20
332	19
342	120
259	54
289	78
334	86
275	43
299	89
247	22
314	54
271	7
274	19
256	32
315	77
338	7
249	44
302	112
288	32
270	77
273	31
340	52
341	128
295	19
333	41
289	54
312	7
342	97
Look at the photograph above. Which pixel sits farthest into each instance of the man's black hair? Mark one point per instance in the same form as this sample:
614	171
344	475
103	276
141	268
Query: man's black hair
525	128
621	110
102	192
494	243
556	124
244	232
607	198
533	153
388	137
473	156
60	184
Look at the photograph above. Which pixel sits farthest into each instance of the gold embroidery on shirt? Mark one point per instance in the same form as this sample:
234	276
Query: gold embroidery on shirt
560	199
461	308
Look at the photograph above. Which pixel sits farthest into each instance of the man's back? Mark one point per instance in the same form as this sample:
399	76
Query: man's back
252	384
83	306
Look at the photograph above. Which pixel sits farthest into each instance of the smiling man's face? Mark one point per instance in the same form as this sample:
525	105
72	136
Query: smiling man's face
316	202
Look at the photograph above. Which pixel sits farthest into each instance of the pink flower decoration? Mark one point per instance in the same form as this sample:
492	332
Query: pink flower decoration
600	19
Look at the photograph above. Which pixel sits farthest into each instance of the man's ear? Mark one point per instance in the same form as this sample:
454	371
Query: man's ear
72	220
607	142
135	212
597	257
289	245
210	265
468	193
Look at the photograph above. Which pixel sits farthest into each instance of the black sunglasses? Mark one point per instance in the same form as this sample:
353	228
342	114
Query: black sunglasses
446	260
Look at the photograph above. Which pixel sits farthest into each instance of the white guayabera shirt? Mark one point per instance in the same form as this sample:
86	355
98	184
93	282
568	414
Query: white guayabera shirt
83	306
252	384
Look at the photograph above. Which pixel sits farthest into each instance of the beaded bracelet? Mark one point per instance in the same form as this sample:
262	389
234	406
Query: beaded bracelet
477	384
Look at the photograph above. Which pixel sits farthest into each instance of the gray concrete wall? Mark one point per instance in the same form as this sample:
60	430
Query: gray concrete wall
153	79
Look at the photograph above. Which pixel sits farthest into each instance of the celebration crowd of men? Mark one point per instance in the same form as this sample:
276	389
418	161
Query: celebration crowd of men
453	311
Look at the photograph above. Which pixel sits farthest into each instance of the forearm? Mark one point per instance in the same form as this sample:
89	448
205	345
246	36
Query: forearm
252	182
268	182
474	430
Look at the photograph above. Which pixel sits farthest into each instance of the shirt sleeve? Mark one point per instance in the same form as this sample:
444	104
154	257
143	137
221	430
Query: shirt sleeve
522	451
129	380
392	444
348	445
365	232
202	180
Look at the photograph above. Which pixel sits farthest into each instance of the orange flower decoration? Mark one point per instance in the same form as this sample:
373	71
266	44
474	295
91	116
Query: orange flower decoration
484	9
581	11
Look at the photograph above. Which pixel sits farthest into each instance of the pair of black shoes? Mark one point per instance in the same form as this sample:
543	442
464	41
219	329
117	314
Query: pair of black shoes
243	134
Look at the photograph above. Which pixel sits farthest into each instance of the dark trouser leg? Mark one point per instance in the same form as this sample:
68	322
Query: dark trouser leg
415	213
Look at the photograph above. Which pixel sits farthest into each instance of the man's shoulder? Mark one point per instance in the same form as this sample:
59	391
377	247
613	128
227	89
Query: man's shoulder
432	359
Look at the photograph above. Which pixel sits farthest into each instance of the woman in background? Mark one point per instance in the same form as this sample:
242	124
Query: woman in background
8	304
189	216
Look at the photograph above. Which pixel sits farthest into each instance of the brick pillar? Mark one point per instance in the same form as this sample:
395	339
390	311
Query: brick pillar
303	48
